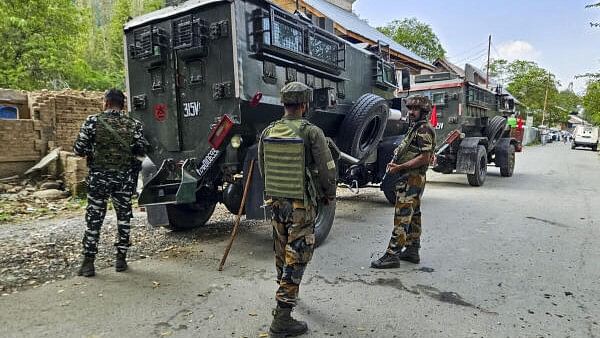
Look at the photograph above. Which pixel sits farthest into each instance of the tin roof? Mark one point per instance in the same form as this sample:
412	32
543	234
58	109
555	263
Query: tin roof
352	22
167	12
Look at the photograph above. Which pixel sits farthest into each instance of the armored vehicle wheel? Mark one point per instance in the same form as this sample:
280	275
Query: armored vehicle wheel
188	216
495	129
324	221
508	169
478	178
363	127
390	195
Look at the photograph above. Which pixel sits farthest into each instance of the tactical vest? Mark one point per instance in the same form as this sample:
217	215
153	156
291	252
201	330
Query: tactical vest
286	171
407	150
113	140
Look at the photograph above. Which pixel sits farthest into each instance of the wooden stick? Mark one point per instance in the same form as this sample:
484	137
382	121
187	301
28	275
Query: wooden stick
239	216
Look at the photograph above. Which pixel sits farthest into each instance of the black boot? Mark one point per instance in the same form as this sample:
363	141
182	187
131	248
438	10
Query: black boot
284	325
387	261
411	254
87	267
121	263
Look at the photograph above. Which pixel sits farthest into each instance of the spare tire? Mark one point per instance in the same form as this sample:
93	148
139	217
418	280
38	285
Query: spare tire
363	127
494	131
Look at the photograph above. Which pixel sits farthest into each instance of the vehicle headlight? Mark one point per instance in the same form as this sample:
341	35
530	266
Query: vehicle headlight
236	141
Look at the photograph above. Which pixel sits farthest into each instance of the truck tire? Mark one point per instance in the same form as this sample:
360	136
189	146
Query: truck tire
595	147
189	216
324	221
478	178
508	168
363	127
494	130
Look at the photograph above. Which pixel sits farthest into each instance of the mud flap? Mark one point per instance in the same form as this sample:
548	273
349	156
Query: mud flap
466	162
501	151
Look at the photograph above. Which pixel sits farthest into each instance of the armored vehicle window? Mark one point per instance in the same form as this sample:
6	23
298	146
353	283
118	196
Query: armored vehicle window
189	32
147	42
286	35
438	99
386	74
281	33
324	49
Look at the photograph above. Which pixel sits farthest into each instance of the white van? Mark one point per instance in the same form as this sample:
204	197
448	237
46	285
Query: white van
585	136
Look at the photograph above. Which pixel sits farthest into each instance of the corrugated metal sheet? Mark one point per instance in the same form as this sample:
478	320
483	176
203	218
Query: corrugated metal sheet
167	12
353	23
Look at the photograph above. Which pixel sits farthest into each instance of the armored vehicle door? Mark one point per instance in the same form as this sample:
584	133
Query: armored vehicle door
154	89
182	76
203	53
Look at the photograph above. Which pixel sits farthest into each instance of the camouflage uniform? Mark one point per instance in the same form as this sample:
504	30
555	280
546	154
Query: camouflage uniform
106	181
293	220
409	190
419	140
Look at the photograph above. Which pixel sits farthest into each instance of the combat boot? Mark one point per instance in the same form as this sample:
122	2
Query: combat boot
121	263
411	254
387	261
284	325
87	267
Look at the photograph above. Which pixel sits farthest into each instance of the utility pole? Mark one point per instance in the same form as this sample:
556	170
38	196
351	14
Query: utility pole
546	100
487	76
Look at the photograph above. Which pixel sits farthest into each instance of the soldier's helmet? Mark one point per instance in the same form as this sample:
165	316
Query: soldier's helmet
295	93
419	102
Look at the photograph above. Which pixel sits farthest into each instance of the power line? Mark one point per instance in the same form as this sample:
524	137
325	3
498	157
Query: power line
474	57
461	54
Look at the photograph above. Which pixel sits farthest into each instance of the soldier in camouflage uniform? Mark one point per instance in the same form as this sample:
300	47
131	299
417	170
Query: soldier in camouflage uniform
112	142
411	161
293	217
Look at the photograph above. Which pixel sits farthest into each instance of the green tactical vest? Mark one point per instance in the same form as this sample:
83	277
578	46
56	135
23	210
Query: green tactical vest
285	166
112	147
406	151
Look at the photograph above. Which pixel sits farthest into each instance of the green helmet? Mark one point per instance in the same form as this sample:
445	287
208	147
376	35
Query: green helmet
295	93
420	102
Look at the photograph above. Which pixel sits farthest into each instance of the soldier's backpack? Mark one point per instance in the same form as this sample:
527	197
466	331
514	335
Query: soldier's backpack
285	162
112	146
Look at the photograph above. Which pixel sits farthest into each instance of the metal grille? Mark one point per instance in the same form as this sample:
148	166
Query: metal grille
189	32
183	32
142	43
287	36
323	49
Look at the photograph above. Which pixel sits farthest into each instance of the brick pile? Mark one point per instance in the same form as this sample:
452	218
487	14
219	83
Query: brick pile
55	121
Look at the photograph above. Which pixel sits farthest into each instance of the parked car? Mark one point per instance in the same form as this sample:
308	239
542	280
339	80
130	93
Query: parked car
585	136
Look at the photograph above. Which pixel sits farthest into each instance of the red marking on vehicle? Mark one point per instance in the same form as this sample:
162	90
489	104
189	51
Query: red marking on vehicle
160	112
256	99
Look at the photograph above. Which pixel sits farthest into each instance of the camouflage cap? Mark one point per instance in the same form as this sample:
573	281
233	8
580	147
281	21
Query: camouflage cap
419	101
295	93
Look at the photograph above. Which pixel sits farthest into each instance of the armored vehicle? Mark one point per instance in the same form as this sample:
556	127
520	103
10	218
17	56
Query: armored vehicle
205	77
471	128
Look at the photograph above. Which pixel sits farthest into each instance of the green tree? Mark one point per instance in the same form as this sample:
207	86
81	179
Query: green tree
416	36
591	102
569	100
38	43
528	82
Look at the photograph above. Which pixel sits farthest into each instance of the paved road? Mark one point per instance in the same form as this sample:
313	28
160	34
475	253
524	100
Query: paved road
518	257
